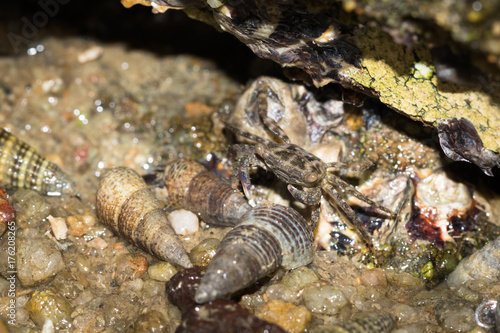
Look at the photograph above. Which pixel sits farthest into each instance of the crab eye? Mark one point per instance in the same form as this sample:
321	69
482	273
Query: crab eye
310	176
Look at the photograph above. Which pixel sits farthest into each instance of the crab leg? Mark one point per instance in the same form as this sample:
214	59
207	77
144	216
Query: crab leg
349	213
270	123
339	183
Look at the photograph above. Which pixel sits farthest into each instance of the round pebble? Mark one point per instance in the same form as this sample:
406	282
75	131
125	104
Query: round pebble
404	312
374	277
457	318
202	253
31	208
184	222
300	278
292	318
46	305
130	266
324	299
151	321
162	271
38	260
282	292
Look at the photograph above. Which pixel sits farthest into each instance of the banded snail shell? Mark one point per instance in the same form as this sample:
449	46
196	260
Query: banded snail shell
266	237
191	186
22	167
128	206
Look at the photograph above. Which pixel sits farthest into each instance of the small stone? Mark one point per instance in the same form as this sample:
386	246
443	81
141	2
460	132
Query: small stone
202	253
456	315
300	278
292	318
184	222
162	271
38	260
130	266
92	53
324	299
403	279
79	225
46	305
151	321
31	208
282	292
374	277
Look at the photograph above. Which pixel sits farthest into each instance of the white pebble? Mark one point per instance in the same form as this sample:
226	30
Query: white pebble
184	222
92	53
58	225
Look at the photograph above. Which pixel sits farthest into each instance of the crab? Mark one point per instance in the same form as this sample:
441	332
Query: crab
307	176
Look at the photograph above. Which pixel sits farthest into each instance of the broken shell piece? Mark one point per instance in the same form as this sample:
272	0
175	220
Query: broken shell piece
58	225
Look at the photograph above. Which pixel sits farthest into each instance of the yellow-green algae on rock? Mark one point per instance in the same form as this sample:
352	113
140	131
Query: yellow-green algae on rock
400	77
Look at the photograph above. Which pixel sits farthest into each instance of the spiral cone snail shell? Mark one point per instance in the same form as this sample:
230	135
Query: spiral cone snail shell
191	186
128	206
266	237
22	167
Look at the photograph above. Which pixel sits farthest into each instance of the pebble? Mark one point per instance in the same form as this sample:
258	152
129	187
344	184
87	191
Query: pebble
162	271
184	222
324	299
202	253
404	312
483	264
456	317
374	277
292	318
150	321
31	208
135	285
38	260
300	278
46	305
130	266
79	225
282	292
404	279
58	225
92	53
